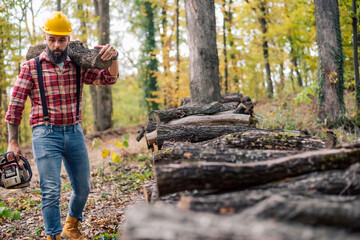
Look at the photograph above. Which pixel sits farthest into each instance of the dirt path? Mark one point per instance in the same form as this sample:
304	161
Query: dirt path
114	186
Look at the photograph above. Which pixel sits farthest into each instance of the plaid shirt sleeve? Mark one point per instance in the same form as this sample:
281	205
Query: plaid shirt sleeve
93	76
19	95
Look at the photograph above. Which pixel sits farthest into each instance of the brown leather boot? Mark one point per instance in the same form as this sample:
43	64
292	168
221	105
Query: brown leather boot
57	237
71	229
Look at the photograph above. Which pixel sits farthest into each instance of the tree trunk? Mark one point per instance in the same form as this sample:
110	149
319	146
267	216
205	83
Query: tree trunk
165	222
331	62
230	176
265	45
225	20
356	59
183	152
177	74
58	5
104	97
294	60
204	62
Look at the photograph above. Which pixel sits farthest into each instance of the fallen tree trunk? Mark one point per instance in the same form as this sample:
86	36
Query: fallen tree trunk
334	182
182	152
213	120
176	113
267	139
336	211
164	222
172	178
82	56
202	133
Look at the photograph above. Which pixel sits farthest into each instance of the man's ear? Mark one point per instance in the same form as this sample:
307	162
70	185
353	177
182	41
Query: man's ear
68	38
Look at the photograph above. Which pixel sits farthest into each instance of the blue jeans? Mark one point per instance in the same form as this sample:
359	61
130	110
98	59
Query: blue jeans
51	145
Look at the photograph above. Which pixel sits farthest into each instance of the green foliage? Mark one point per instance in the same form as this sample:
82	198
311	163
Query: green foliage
129	108
107	236
307	94
8	213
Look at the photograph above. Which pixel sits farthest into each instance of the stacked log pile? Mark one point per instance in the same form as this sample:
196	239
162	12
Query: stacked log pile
231	180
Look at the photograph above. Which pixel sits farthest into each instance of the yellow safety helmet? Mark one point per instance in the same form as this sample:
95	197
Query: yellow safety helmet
57	24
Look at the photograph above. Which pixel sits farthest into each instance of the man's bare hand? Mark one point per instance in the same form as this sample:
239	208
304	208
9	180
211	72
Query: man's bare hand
107	52
14	147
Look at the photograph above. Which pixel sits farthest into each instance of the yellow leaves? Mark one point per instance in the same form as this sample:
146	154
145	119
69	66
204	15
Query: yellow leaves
105	153
333	77
116	158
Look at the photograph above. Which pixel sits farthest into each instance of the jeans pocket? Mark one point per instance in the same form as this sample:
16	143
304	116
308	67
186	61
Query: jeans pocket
79	130
40	131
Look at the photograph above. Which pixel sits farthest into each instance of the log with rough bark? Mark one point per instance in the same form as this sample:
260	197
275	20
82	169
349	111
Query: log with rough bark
213	120
182	152
241	137
225	98
334	182
268	139
321	210
81	55
172	178
176	113
193	133
165	222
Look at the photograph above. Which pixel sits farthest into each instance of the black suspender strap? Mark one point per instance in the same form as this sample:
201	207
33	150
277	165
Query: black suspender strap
77	92
42	92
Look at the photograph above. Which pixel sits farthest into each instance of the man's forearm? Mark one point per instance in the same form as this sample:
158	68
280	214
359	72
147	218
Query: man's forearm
13	130
114	68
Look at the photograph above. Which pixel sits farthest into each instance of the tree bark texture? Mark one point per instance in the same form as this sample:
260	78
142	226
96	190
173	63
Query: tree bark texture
265	46
182	152
176	113
82	56
165	222
355	54
335	182
334	211
214	120
331	59
194	133
231	176
268	139
104	95
204	62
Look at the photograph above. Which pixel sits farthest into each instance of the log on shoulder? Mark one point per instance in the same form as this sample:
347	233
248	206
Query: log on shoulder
82	56
172	178
182	152
165	222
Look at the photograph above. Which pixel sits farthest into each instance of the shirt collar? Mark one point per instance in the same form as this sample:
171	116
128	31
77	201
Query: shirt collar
44	56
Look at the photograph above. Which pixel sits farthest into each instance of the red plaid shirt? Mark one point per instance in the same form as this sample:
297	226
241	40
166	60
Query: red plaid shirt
60	91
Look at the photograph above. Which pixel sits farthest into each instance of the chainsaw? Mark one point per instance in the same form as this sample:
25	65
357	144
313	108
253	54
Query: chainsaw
13	173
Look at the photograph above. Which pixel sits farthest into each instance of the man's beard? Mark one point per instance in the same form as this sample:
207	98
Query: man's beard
57	58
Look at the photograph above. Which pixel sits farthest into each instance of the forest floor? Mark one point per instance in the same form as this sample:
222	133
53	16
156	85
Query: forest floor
114	186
